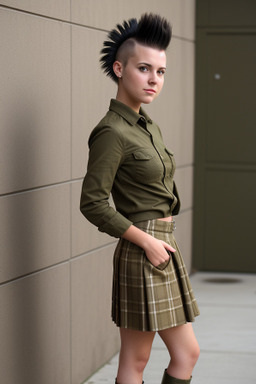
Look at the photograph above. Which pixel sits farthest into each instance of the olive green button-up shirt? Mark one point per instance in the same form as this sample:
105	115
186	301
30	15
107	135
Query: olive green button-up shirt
127	158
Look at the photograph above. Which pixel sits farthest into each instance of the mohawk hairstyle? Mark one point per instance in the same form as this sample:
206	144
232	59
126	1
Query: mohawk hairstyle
152	30
116	38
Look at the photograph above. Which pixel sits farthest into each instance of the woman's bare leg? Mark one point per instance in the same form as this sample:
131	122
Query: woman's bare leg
183	349
134	355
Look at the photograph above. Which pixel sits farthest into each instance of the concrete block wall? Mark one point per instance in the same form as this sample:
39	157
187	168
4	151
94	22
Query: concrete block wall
55	268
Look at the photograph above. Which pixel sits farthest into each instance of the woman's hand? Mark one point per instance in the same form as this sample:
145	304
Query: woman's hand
155	249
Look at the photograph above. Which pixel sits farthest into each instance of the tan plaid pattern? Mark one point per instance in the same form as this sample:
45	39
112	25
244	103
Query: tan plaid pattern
149	298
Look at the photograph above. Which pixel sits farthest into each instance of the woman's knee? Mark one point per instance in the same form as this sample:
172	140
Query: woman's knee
182	345
138	360
143	358
186	360
194	354
135	349
189	355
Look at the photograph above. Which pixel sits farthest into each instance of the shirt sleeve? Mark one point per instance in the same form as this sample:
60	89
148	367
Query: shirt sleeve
105	157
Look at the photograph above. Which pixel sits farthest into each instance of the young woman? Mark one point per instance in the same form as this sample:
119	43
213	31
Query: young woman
151	288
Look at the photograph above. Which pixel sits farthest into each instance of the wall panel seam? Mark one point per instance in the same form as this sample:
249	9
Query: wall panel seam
71	181
36	272
75	23
191	165
38	188
33	13
183	39
93	250
52	18
185	210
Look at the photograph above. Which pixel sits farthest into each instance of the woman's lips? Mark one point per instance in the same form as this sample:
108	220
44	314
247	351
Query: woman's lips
151	91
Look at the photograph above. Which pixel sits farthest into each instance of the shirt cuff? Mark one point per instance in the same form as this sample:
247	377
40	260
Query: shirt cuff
116	226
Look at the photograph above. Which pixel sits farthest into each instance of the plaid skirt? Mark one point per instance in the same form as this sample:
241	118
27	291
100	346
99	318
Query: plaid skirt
149	298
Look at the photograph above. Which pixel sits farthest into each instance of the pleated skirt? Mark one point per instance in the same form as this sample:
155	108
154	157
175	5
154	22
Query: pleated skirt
149	298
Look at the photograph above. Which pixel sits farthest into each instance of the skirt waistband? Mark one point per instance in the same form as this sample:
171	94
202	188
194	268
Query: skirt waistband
156	225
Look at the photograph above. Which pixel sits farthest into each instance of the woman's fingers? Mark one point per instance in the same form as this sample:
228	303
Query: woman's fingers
168	247
159	251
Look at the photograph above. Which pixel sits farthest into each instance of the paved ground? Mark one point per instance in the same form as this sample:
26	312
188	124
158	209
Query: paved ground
226	331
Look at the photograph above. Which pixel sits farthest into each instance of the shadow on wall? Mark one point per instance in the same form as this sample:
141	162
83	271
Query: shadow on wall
22	334
21	212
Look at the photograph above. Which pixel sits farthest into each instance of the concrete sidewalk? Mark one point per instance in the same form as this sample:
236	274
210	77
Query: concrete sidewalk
226	331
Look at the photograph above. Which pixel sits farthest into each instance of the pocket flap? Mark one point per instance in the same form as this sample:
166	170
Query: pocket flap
142	155
169	152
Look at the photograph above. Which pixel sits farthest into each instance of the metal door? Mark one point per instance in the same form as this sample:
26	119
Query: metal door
225	152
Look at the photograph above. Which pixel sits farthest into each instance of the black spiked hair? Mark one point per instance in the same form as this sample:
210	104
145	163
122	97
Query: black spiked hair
152	30
116	38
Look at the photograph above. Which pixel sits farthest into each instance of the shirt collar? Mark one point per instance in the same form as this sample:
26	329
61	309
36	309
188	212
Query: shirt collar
127	113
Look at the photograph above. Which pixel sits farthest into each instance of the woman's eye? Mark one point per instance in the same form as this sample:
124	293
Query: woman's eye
143	69
161	72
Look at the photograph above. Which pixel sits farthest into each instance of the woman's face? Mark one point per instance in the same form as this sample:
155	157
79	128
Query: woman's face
142	78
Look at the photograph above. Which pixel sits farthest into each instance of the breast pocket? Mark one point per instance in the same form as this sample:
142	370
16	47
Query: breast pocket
172	165
147	165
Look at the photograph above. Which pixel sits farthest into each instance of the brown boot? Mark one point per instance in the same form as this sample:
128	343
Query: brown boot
167	379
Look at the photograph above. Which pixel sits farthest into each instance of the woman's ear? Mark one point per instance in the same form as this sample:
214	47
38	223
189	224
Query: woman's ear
117	68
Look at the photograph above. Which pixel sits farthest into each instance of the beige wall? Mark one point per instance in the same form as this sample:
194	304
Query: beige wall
55	268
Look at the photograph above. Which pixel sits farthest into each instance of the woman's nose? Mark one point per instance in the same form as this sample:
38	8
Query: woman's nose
152	78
